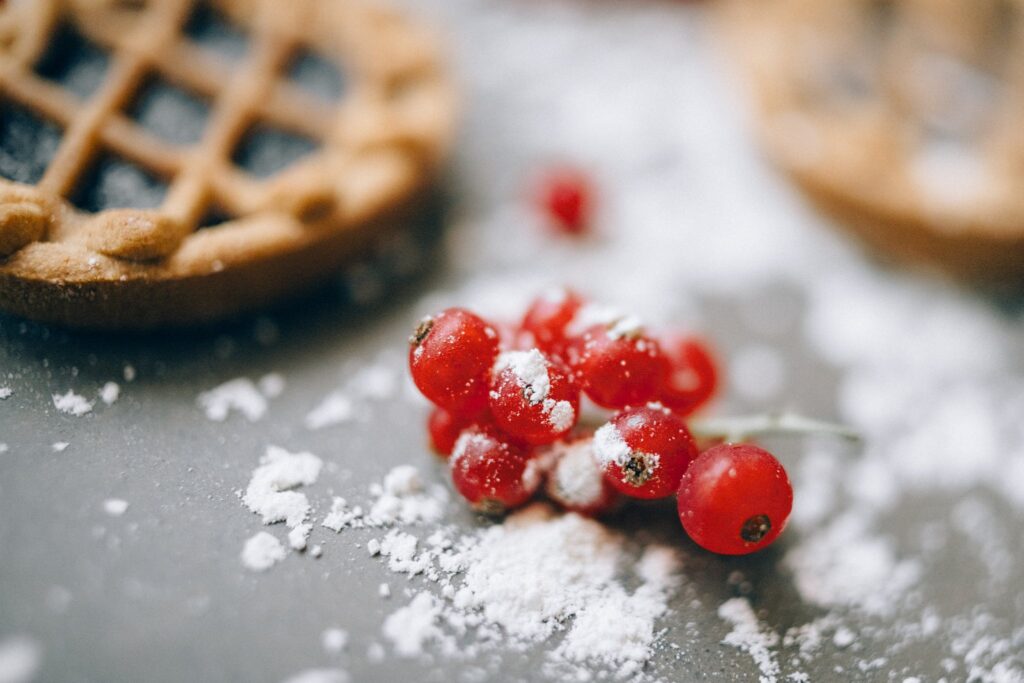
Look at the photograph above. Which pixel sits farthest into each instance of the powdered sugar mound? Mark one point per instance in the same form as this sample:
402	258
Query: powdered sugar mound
237	394
319	676
618	628
71	403
538	572
842	564
412	627
262	551
110	392
750	636
20	658
6	393
59	446
268	493
335	408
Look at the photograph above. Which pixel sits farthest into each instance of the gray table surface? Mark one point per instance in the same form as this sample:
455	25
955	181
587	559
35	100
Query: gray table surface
159	593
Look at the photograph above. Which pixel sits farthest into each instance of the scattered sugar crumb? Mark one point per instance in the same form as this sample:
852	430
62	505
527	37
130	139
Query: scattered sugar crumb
400	549
238	394
128	372
316	551
110	392
335	408
751	637
115	507
269	494
5	393
384	590
299	536
71	403
20	657
59	446
401	498
262	551
373	547
334	640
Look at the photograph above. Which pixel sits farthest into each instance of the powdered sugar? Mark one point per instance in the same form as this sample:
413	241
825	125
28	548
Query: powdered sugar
402	498
115	507
531	371
268	493
535	574
576	476
335	408
262	551
239	394
6	393
71	403
610	447
412	627
750	636
110	392
20	657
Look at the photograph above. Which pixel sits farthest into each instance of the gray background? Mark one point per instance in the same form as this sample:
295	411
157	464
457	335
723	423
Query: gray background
159	594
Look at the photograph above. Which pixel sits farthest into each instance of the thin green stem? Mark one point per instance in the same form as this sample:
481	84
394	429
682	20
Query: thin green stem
743	427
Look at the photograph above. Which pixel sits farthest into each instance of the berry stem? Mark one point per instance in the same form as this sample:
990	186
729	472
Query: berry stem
741	428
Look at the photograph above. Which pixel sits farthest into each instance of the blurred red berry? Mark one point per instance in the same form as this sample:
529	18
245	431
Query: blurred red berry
735	499
693	375
533	398
619	366
493	472
644	451
548	317
450	359
444	429
567	197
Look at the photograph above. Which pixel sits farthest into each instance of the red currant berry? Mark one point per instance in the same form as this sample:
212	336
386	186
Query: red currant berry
532	398
644	451
450	358
735	499
576	482
444	429
492	472
548	317
567	199
693	377
619	366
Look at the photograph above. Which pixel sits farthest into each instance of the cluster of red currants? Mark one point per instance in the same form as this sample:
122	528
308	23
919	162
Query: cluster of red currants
507	411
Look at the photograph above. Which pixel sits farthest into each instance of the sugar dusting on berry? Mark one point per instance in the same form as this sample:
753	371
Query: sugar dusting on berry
531	371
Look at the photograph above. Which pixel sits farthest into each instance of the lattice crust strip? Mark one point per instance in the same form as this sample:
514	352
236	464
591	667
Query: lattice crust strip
375	147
